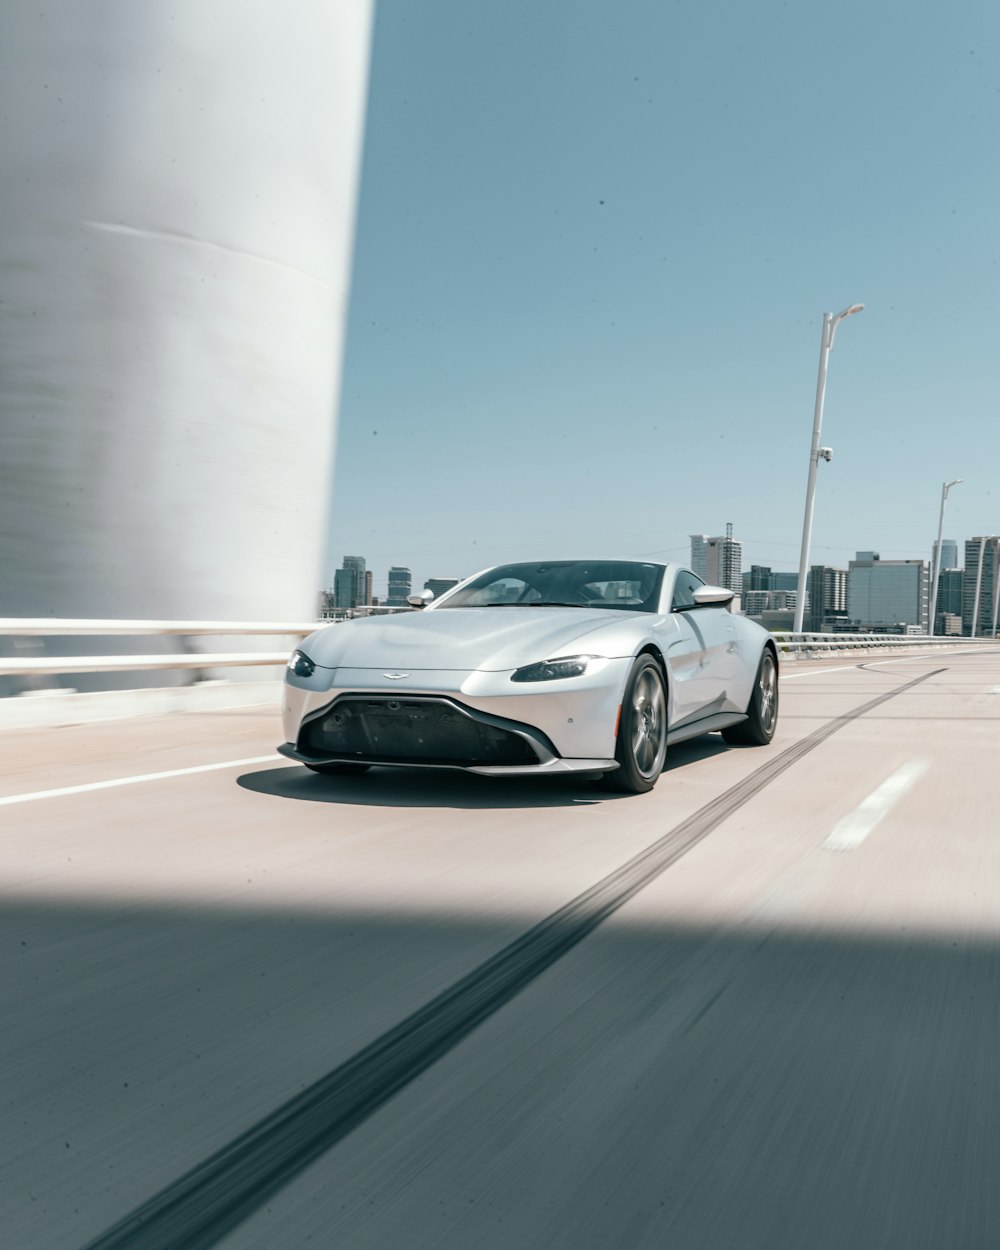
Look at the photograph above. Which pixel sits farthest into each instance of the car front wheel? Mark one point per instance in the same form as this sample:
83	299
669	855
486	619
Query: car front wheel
762	714
642	731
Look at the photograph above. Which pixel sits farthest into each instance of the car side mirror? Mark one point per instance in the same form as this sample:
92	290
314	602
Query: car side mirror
712	596
421	598
708	597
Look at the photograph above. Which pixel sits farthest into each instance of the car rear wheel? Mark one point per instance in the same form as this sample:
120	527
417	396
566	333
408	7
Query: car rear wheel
339	770
762	714
641	748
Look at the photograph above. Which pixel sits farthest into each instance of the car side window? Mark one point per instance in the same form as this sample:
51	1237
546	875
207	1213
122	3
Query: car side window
684	587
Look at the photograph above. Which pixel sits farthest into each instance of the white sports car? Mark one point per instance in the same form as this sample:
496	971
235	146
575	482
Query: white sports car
554	666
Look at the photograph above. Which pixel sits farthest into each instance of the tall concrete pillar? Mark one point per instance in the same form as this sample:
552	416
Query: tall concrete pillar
177	203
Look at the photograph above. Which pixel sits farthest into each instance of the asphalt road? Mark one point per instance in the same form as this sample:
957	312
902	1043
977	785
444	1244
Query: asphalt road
756	1008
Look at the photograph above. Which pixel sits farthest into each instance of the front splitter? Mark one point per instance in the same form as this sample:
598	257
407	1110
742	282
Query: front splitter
548	768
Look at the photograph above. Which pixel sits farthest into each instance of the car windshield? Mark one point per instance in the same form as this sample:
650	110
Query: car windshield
624	585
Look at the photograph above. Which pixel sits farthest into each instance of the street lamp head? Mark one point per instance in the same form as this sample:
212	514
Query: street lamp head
847	312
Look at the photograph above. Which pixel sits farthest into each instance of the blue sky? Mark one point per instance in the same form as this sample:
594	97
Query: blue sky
595	242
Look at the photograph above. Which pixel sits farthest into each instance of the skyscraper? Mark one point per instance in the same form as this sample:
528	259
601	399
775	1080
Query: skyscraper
950	591
827	591
699	550
949	554
718	560
399	585
343	584
350	585
988	584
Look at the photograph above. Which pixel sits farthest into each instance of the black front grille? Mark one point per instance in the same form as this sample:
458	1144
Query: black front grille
410	731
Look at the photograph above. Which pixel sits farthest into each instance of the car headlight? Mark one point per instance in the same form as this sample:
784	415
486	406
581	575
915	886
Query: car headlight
552	670
300	664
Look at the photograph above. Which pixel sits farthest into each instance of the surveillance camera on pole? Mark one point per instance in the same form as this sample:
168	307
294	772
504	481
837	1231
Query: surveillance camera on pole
826	453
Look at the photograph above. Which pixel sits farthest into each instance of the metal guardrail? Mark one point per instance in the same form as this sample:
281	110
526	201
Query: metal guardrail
50	627
51	665
814	643
46	665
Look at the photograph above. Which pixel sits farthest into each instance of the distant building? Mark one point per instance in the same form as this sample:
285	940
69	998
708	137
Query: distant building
440	584
988	584
399	585
351	584
718	560
826	596
949	597
343	586
949	554
755	602
887	593
758	602
762	577
699	557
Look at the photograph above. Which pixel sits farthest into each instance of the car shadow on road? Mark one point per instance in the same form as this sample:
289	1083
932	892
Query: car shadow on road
401	787
412	787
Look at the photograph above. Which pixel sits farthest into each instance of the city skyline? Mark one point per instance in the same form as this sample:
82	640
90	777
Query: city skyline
754	552
418	578
873	591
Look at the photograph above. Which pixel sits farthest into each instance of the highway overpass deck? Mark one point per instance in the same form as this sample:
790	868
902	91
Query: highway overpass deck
784	1035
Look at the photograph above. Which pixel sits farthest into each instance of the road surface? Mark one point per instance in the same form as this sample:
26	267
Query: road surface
254	1008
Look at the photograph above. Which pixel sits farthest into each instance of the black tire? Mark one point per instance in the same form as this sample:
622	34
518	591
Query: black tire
641	748
762	714
339	770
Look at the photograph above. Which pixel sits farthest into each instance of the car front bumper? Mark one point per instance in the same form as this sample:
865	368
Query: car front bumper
569	724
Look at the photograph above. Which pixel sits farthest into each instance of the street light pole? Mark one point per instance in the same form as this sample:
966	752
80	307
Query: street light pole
945	488
830	323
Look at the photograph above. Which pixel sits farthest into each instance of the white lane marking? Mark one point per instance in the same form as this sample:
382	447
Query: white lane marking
7	800
844	668
994	689
841	668
853	829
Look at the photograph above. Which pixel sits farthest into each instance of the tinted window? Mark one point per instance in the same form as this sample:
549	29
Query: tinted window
618	584
684	588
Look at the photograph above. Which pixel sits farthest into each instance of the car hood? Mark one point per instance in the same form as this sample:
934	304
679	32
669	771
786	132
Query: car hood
490	639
